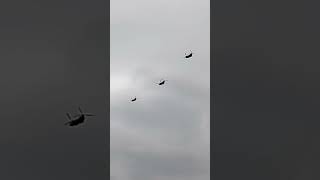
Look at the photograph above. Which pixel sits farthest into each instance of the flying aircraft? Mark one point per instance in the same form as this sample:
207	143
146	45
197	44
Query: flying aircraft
134	99
78	119
189	55
162	82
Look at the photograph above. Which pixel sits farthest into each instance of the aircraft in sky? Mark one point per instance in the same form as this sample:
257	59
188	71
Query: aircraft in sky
162	82
78	119
189	55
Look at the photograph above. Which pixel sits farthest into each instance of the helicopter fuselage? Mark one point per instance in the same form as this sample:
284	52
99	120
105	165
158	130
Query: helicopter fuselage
77	121
188	56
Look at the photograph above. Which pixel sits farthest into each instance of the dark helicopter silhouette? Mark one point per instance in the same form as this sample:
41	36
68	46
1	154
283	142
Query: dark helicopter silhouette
79	119
162	82
189	55
134	99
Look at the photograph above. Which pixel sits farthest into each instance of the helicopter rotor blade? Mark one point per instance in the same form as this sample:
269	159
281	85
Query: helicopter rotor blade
76	115
67	123
68	115
80	110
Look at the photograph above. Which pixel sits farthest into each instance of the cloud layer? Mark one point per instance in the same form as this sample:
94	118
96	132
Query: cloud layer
165	133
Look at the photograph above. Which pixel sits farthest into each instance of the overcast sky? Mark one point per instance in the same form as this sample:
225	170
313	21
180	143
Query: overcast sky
165	133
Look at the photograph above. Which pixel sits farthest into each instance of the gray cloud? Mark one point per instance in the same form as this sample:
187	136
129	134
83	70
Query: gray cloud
165	133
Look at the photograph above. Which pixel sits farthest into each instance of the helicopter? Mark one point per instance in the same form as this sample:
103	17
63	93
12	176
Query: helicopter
134	99
189	56
162	82
79	119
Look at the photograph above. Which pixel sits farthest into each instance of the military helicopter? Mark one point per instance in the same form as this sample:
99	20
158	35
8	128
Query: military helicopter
189	55
134	99
79	119
162	82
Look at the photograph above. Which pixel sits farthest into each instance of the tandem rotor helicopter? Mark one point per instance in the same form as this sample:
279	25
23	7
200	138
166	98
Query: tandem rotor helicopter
78	119
162	81
189	55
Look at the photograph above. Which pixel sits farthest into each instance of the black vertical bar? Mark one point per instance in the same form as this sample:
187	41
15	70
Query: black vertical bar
54	57
266	90
108	86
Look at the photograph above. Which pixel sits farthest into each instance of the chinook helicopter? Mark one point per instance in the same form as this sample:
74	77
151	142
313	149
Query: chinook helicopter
162	81
134	99
189	55
78	119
